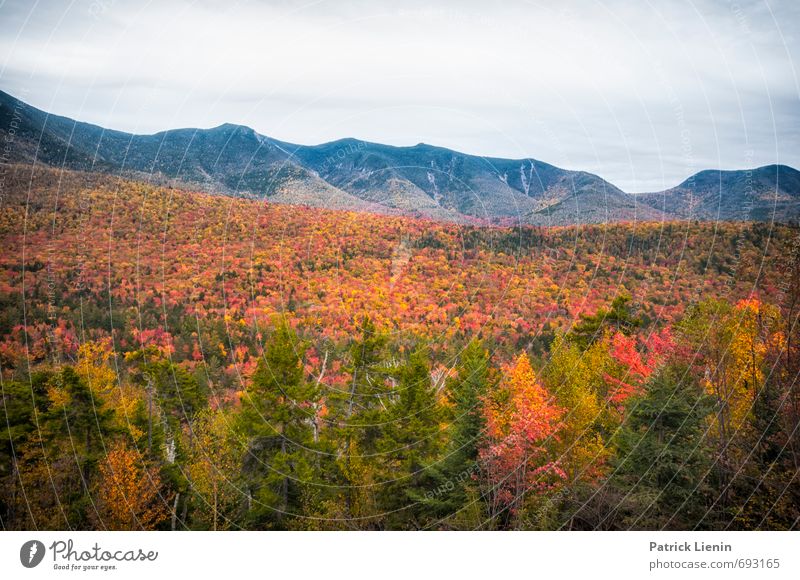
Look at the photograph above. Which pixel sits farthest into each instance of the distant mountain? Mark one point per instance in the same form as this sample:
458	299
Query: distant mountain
431	179
357	175
228	158
763	194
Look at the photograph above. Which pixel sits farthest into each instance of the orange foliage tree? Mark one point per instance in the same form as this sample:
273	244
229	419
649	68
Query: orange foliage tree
521	421
129	494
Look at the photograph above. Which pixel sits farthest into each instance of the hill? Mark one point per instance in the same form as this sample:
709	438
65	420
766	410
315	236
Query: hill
176	337
770	193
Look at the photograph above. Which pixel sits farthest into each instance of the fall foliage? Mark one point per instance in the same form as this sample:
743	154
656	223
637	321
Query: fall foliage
128	494
178	360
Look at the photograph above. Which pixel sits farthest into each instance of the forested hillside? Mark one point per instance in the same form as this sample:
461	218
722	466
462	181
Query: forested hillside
180	360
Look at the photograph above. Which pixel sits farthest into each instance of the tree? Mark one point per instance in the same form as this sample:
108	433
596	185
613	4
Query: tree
632	361
171	395
764	496
213	469
77	417
730	344
358	413
124	398
454	476
129	494
410	443
171	398
522	424
618	318
366	369
662	458
28	499
277	418
789	271
581	449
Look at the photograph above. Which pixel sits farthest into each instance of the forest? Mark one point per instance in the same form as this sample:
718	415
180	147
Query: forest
174	360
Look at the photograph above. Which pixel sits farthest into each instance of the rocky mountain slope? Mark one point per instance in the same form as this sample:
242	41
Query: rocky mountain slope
350	174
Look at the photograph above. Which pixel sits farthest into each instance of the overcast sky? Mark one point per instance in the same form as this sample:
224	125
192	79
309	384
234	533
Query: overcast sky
642	93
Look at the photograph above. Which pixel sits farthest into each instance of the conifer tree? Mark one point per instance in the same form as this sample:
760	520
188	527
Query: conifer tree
359	417
616	318
454	476
411	441
663	459
277	420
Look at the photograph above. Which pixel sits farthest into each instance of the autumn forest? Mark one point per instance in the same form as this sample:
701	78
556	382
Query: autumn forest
177	360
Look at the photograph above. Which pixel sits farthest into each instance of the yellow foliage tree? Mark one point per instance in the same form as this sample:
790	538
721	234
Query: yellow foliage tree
93	366
129	494
213	465
568	374
754	332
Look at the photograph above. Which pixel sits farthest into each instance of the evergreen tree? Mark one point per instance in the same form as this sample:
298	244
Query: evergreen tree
359	416
22	405
618	318
764	495
73	435
172	398
80	418
453	477
410	444
663	459
277	419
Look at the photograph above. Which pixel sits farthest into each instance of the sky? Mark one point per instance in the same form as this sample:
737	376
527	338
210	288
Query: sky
641	93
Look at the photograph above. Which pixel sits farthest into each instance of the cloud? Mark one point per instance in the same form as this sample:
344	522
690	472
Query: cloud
618	88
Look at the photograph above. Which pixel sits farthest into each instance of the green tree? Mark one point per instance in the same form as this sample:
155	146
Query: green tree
58	463
171	399
79	418
411	442
453	477
22	405
358	414
277	420
663	459
617	318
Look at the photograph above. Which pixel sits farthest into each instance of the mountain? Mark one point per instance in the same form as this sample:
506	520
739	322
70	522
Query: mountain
350	174
228	158
763	194
232	159
427	178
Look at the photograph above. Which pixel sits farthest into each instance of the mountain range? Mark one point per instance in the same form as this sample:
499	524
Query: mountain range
357	175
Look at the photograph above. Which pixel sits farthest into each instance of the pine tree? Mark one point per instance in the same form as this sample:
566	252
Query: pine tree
277	420
618	318
23	404
454	476
359	416
79	416
662	459
411	441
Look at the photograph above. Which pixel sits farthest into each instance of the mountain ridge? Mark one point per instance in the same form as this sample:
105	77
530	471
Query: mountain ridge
758	194
421	179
